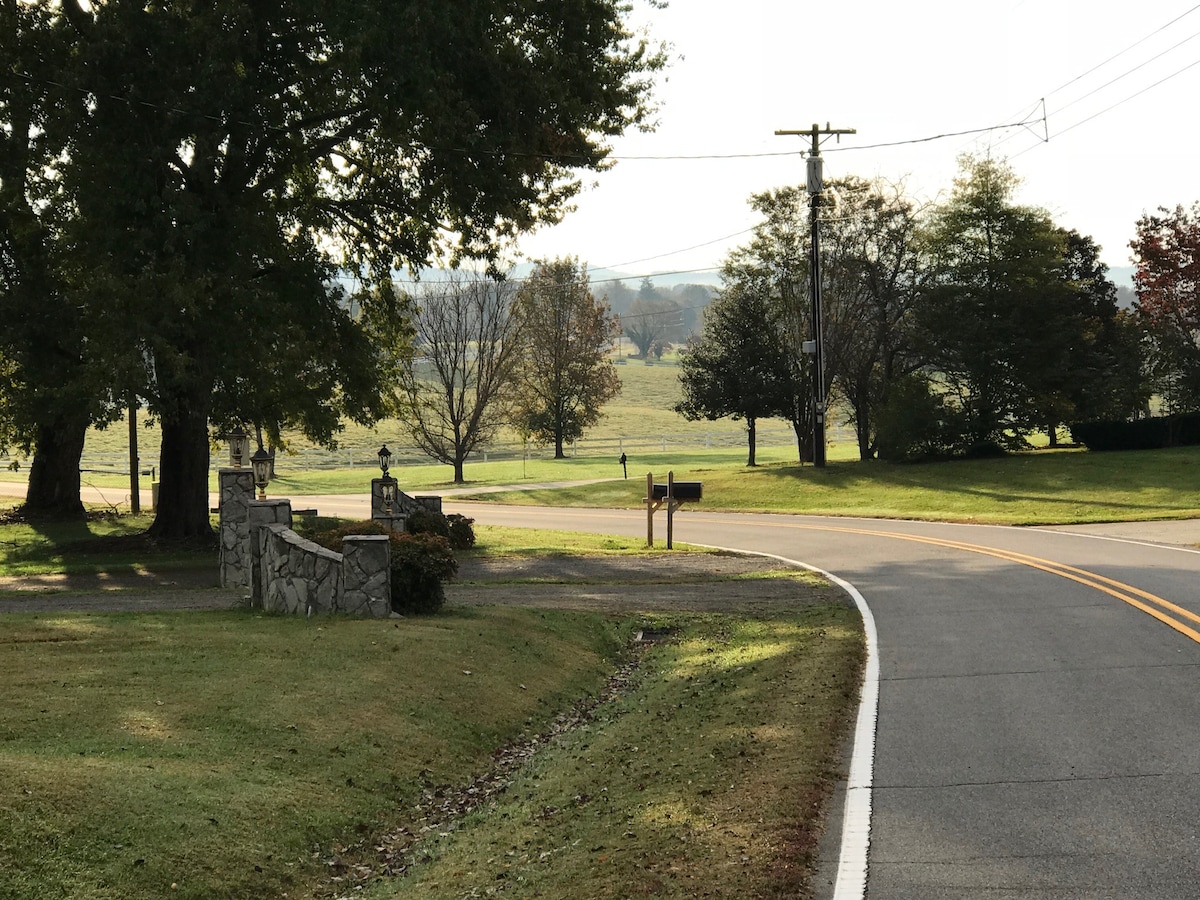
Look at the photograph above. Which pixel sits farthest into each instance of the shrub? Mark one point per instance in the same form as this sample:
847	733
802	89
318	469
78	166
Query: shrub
331	539
1140	434
420	563
426	521
456	529
462	532
915	424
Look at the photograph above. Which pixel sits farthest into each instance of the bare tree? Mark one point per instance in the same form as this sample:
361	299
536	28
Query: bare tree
466	348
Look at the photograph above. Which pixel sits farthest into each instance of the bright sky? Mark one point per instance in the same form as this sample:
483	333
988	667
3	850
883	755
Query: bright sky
899	71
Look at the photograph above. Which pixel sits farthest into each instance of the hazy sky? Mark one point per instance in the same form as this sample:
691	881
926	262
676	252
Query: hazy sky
898	71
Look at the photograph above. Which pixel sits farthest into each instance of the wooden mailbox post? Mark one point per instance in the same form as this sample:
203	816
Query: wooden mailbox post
673	494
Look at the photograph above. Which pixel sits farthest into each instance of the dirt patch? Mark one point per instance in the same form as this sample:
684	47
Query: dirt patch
116	592
682	582
695	582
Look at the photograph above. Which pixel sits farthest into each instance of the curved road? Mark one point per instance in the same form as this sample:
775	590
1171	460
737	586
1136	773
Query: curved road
1038	731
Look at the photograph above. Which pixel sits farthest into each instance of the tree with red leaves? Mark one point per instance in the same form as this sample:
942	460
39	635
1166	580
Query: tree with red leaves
1167	280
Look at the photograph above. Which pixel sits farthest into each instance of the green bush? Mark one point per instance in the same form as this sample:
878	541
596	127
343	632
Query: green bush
456	529
420	563
426	521
462	532
915	424
1141	434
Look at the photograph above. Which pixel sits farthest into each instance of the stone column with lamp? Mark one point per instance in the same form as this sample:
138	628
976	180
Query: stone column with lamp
386	503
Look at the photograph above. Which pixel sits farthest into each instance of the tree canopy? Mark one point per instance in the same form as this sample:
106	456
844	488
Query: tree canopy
1167	281
221	167
565	376
739	367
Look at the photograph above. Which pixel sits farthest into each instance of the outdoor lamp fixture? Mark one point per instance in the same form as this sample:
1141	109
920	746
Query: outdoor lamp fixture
239	446
385	459
261	463
388	486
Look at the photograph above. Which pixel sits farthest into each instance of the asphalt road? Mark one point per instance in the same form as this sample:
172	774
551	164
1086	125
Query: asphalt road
1038	731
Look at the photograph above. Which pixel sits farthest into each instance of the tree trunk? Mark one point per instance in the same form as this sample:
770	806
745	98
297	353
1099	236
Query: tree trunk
751	436
54	475
458	470
558	445
183	476
1052	431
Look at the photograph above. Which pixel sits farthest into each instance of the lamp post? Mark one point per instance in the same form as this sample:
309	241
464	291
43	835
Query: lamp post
239	446
260	462
387	484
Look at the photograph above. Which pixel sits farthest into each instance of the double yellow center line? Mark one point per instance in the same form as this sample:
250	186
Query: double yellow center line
1163	610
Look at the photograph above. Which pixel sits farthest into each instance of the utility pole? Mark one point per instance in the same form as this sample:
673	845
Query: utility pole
815	186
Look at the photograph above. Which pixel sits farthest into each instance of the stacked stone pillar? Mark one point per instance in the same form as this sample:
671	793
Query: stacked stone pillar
236	493
393	520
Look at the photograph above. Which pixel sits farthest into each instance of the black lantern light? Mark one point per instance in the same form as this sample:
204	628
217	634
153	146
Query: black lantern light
385	459
261	463
239	447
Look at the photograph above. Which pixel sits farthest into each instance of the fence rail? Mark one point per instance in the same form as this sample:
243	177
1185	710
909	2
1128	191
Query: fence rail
365	457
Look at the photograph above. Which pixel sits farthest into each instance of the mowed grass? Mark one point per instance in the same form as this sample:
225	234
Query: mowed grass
1031	488
223	754
699	780
99	545
239	754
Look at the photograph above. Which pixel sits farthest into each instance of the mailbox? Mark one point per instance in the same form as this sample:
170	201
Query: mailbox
684	490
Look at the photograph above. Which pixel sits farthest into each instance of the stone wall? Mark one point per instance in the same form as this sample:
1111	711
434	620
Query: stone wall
298	576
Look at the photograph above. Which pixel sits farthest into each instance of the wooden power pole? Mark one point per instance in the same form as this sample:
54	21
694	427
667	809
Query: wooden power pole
815	186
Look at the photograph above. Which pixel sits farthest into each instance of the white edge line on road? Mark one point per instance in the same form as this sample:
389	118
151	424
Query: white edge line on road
851	883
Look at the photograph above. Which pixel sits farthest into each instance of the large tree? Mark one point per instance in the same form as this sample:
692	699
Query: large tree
565	376
868	277
1167	280
1107	375
457	387
54	381
997	314
740	366
229	160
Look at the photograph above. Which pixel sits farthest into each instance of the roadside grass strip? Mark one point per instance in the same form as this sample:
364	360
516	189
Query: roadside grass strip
706	777
239	754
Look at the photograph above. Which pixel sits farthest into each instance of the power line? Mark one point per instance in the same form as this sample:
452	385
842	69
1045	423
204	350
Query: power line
684	250
1110	108
1101	65
1126	73
1123	52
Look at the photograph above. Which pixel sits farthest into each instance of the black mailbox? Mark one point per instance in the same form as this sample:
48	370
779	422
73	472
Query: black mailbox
684	490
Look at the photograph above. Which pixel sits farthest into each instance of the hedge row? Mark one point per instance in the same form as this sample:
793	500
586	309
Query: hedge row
1141	434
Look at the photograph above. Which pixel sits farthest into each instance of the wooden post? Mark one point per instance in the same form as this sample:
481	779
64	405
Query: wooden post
649	509
670	509
135	498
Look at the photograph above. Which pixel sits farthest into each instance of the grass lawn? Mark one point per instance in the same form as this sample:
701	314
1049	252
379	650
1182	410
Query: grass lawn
1036	487
238	754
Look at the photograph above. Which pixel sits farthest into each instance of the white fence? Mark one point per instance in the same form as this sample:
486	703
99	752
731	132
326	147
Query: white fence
366	458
